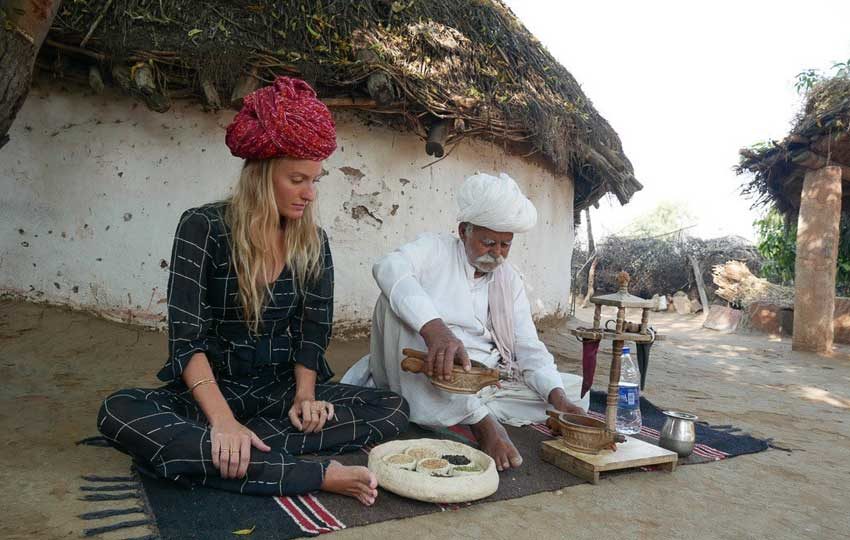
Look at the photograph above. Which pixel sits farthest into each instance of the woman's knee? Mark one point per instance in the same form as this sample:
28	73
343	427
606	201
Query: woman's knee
119	408
398	410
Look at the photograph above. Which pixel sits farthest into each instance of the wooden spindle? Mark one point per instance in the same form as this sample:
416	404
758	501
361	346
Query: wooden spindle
614	380
644	321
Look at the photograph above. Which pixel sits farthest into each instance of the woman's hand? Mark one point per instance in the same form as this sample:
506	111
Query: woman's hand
309	415
231	447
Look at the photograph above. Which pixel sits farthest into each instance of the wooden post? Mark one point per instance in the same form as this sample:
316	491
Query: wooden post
700	285
597	316
591	276
96	79
644	321
210	94
24	28
817	259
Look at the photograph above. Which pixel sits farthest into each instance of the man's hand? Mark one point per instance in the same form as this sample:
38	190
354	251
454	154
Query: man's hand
443	349
558	400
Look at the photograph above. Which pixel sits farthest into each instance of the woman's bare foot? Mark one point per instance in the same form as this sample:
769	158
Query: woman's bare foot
494	441
357	482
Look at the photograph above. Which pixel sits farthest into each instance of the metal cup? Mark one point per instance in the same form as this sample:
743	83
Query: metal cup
678	434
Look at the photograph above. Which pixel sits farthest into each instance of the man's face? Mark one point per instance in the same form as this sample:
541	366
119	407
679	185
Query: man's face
485	249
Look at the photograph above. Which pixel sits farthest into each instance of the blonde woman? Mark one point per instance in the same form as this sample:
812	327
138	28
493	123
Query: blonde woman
250	310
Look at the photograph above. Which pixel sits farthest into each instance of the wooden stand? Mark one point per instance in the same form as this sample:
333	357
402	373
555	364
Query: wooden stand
633	453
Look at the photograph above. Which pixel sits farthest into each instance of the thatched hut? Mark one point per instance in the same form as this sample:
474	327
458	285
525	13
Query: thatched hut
806	177
424	93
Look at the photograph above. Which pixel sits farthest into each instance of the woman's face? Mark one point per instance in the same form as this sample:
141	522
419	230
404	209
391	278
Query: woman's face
295	185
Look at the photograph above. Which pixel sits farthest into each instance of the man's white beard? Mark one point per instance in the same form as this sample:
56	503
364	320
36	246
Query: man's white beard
487	263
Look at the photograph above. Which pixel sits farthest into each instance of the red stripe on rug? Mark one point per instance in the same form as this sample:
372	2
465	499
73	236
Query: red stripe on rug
306	524
322	512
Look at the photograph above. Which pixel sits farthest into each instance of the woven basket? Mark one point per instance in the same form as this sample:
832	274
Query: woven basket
582	433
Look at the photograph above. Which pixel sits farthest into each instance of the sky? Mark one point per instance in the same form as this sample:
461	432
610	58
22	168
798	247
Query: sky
687	84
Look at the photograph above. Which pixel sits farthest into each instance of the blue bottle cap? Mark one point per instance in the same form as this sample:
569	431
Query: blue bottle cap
626	350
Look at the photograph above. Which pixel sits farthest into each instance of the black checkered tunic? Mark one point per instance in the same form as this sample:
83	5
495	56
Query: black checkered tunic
165	430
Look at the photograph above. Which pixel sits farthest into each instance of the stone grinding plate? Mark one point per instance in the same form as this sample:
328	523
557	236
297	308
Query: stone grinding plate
422	487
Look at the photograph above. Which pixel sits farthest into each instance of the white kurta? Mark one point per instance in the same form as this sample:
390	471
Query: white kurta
431	278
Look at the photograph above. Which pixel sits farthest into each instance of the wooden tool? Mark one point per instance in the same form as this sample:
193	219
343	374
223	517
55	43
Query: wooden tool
461	382
587	433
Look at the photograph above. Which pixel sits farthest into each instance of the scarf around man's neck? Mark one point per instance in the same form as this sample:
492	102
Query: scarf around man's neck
501	303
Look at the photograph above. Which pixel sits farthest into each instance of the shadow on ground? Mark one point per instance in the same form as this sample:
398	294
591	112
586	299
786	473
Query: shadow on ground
56	365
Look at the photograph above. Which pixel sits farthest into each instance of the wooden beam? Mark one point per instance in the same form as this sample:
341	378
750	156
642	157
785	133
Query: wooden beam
96	23
143	77
380	88
810	160
437	134
350	103
76	50
244	86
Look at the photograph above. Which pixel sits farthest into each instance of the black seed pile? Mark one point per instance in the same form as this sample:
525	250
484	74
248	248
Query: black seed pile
457	459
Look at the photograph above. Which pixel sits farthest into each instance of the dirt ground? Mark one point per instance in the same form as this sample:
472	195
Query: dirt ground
56	365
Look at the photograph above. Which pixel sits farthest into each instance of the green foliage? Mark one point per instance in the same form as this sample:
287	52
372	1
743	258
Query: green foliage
666	217
808	78
777	243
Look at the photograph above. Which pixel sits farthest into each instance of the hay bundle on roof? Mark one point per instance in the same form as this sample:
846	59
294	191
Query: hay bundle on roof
820	136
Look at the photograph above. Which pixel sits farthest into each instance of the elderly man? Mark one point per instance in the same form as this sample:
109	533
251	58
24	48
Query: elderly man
455	297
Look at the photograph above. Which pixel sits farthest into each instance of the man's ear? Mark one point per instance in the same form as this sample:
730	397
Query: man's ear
461	231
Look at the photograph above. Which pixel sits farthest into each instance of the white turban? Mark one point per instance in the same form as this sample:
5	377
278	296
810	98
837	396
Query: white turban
495	203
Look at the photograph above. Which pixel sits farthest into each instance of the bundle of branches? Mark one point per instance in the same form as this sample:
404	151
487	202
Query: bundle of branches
662	266
736	284
467	65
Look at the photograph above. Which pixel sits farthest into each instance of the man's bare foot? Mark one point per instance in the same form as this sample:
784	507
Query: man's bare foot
357	482
494	441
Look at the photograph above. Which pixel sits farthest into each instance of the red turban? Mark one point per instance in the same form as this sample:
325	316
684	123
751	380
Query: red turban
284	119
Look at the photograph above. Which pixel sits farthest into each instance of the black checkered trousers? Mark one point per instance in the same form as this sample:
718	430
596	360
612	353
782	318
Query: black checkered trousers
164	429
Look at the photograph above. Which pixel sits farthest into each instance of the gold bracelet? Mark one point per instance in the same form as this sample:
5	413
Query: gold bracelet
199	383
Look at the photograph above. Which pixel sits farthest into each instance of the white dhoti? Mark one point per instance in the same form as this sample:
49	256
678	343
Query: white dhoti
514	404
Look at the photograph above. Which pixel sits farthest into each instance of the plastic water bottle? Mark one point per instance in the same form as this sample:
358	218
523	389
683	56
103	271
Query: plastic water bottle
628	404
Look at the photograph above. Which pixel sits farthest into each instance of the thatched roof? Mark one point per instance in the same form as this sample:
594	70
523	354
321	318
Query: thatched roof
467	65
820	136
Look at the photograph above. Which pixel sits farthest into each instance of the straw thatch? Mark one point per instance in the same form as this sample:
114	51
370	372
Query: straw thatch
820	136
468	65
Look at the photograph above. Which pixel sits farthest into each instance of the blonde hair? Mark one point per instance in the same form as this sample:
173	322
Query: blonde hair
253	218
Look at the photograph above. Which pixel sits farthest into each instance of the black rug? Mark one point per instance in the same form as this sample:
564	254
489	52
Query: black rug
210	514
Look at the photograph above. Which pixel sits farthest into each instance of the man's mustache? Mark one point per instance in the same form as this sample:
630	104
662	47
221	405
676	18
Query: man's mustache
489	261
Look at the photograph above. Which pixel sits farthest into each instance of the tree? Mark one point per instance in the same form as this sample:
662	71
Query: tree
777	243
23	26
666	217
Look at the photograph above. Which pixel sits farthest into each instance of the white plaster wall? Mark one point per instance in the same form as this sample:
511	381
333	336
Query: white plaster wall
92	187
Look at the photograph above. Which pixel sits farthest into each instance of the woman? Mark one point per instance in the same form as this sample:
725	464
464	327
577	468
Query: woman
250	308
